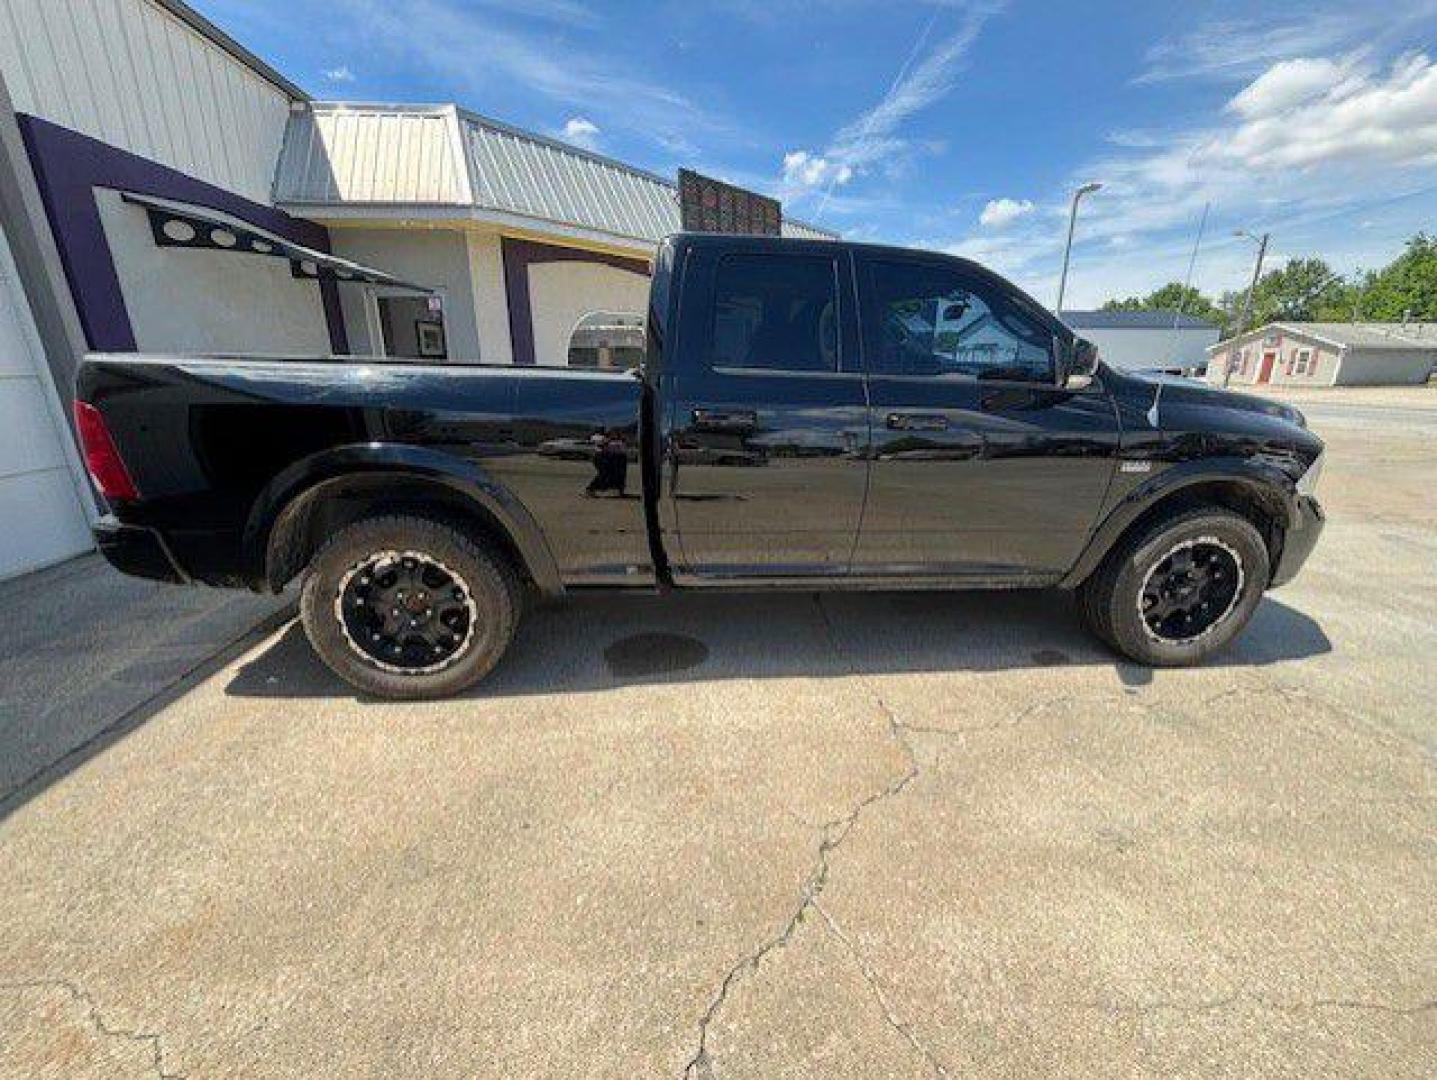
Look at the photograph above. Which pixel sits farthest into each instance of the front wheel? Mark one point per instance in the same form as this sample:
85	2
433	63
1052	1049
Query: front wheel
1178	591
407	608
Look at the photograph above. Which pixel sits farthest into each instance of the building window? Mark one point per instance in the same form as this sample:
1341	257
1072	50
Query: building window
1302	362
607	341
409	327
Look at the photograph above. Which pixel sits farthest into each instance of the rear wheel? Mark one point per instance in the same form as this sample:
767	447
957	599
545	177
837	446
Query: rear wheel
1181	589
404	607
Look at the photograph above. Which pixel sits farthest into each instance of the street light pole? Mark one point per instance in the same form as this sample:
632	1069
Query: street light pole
1247	302
1086	189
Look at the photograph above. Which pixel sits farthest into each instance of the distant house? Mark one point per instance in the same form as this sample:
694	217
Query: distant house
1133	340
1327	354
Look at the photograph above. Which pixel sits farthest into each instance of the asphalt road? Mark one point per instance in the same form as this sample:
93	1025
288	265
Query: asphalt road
857	836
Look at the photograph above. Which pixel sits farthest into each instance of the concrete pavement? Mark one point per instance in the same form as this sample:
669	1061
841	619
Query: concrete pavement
87	648
857	836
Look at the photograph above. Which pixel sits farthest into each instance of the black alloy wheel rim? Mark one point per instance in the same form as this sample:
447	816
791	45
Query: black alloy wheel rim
1191	590
406	612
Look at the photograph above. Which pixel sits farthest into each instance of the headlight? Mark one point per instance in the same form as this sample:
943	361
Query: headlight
1307	482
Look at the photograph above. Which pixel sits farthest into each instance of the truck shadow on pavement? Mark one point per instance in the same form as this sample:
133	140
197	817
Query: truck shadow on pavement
602	642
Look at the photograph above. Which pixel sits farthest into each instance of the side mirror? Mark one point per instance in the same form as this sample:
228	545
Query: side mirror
1079	366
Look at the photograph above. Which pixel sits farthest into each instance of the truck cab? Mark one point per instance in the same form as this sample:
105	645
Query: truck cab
870	414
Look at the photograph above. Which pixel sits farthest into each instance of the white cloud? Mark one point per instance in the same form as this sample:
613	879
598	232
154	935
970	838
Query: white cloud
1228	48
1318	113
874	138
473	49
920	83
340	74
803	170
581	132
1304	150
1287	84
1238	48
1000	213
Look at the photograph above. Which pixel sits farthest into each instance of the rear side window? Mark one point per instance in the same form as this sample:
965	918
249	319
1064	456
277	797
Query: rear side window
775	313
933	321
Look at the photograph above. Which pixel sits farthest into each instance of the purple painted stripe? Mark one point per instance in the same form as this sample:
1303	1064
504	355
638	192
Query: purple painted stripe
519	255
69	166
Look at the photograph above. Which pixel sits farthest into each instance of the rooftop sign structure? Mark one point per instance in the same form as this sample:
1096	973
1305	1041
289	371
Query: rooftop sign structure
708	205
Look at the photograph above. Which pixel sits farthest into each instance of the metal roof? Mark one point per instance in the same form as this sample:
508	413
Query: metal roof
1354	335
1143	320
338	155
334	155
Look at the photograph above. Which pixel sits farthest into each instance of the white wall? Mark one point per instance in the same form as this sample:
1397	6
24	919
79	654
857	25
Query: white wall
206	301
1385	367
129	73
42	516
438	258
491	301
1129	348
560	293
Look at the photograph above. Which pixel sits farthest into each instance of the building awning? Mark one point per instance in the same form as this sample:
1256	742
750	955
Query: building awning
176	224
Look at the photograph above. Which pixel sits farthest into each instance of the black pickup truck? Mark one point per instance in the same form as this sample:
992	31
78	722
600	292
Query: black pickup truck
809	415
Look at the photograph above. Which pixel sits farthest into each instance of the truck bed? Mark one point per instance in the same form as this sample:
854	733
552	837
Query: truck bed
217	445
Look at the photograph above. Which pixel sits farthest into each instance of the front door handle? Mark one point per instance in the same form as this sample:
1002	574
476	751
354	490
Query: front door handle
732	421
917	421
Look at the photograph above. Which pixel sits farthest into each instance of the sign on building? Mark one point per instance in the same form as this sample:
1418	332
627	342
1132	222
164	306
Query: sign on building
709	205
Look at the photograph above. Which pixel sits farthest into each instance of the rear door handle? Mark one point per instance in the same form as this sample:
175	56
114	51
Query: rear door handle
917	421
725	420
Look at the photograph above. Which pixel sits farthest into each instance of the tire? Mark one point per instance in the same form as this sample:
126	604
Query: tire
1178	572
468	619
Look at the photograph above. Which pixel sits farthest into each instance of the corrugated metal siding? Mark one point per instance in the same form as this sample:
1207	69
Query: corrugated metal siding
801	230
334	154
129	73
341	154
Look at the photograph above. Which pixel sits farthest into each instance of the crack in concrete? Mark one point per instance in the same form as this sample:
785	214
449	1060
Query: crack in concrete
832	835
92	1010
871	978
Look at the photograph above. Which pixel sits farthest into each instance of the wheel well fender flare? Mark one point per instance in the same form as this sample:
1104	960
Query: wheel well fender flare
468	484
1258	483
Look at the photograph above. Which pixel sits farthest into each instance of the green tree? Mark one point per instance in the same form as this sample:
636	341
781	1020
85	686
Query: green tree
1296	292
1174	296
1405	287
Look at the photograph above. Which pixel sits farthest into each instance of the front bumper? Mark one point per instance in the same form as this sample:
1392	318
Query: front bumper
137	551
1300	539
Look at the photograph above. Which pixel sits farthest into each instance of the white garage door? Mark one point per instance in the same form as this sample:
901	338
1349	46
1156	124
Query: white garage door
42	519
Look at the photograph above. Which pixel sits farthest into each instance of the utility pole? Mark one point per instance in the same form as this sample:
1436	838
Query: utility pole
1251	289
1086	189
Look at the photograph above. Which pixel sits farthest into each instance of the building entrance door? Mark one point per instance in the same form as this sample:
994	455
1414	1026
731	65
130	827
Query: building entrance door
1264	373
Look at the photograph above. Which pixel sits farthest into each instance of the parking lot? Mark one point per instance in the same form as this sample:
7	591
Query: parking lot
905	835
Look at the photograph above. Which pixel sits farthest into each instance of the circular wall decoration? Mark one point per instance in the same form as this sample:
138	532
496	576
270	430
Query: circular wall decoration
223	238
181	232
261	247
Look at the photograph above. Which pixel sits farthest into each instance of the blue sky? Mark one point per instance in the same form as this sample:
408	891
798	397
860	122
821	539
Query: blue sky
959	125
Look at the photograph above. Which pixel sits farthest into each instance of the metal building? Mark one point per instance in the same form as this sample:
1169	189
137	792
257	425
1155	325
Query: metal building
1138	340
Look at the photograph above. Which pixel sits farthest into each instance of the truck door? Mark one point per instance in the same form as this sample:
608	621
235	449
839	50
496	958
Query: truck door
982	466
767	423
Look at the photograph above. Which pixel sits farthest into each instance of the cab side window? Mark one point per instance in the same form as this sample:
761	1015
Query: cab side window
775	313
931	321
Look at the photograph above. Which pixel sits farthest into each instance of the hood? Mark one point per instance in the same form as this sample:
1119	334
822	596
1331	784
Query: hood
1178	390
